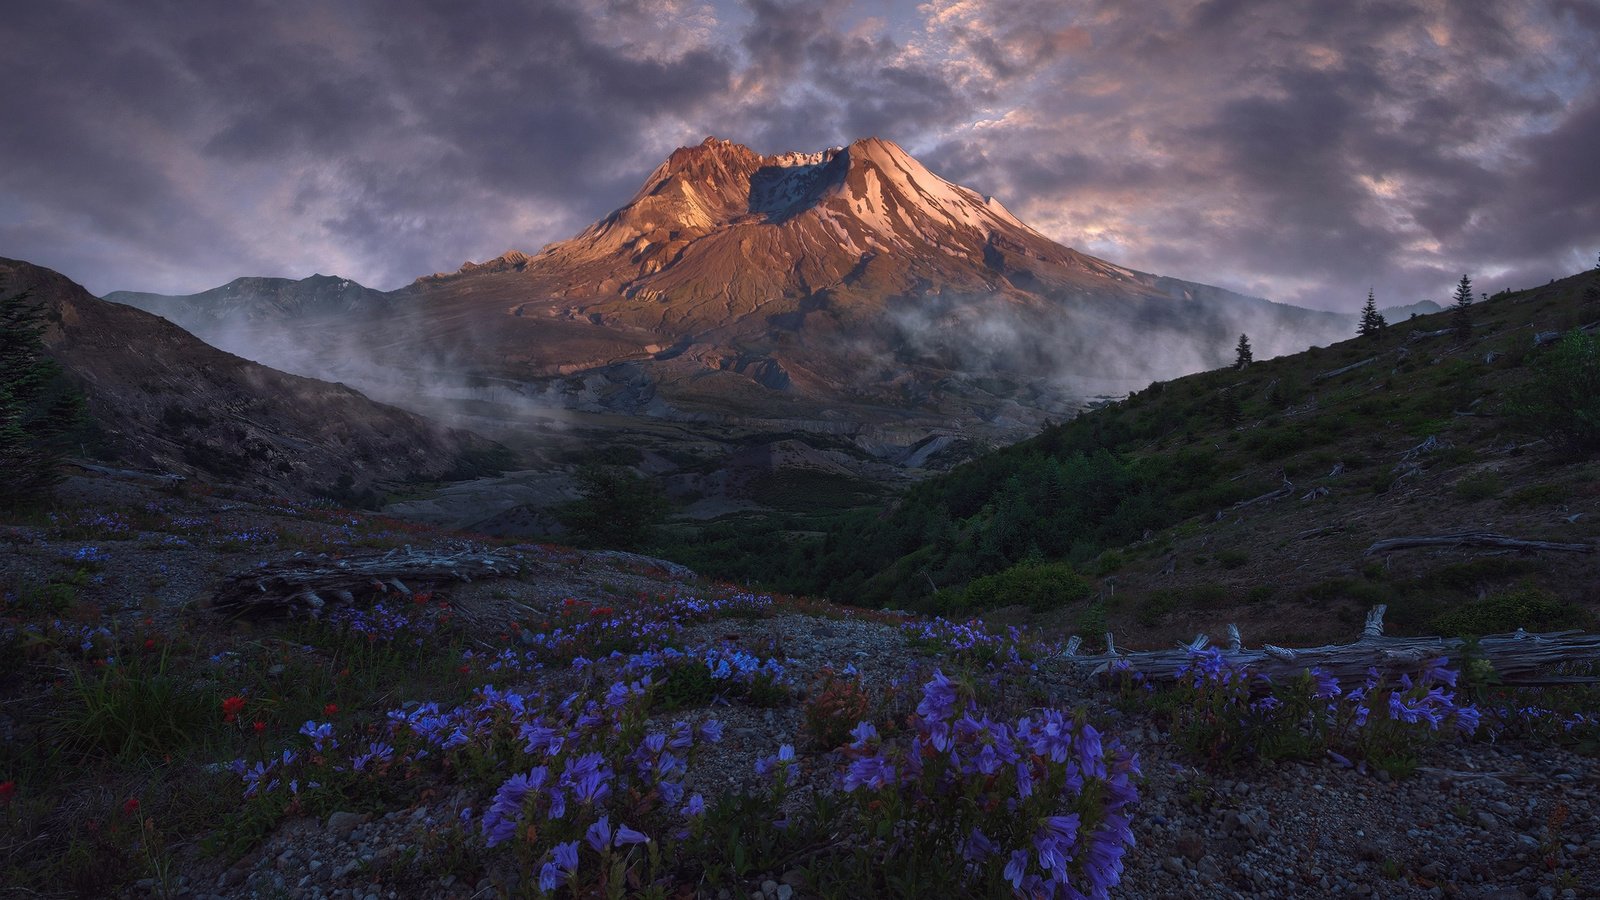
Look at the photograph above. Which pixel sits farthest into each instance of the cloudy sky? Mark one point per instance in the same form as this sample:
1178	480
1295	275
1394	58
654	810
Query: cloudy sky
1297	150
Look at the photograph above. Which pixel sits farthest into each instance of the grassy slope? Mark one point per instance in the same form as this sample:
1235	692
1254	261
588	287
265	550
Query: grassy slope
1184	450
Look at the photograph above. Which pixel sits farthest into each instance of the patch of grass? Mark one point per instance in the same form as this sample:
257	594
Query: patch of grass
1232	559
1480	486
1536	495
135	709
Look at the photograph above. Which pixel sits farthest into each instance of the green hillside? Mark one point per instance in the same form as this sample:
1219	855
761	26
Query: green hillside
1142	497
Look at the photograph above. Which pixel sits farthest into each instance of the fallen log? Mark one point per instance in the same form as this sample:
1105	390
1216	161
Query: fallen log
165	479
306	585
1416	336
1350	368
1285	491
1518	658
1473	539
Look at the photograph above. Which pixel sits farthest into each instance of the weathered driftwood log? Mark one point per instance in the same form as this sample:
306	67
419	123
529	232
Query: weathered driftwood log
306	585
1350	368
1285	491
1519	658
1546	337
1473	539
1431	444
1424	335
165	479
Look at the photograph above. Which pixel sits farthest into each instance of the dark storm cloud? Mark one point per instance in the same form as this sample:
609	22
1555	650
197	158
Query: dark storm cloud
1300	150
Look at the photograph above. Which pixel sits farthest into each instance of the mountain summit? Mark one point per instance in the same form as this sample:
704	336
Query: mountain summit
849	290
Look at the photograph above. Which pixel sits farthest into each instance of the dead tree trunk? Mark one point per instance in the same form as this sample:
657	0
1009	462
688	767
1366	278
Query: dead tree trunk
305	586
1519	658
1473	539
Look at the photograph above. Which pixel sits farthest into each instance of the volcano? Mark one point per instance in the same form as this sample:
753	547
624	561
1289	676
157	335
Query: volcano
849	291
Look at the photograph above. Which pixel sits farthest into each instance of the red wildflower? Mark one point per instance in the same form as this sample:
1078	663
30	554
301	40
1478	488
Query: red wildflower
149	643
464	668
330	709
599	611
130	805
259	726
231	707
8	789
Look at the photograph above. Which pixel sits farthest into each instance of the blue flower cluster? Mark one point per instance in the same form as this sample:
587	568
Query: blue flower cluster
1015	649
384	623
1043	800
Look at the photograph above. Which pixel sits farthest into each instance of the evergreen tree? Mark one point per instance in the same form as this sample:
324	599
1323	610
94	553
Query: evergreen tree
1370	318
619	510
1229	408
1461	311
1242	355
40	411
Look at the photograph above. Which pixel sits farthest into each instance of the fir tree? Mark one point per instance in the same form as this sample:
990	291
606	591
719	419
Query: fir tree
40	411
1242	355
1229	408
1370	318
1461	311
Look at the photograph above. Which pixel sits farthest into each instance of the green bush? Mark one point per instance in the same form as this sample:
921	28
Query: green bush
40	412
1524	607
1037	585
1480	486
619	510
1232	559
1562	402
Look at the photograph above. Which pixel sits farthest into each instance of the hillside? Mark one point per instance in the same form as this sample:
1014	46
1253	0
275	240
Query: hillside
162	399
1148	497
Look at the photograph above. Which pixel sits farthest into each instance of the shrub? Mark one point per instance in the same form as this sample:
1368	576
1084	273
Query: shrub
1524	607
1562	402
619	509
1480	486
1232	559
1038	586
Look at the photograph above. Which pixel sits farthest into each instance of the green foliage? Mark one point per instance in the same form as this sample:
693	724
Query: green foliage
1562	402
1372	321
40	412
1037	585
1525	607
1480	486
619	510
1461	309
1242	355
135	708
1536	495
1232	559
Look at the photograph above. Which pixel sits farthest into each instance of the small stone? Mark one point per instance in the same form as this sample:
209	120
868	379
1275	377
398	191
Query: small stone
1486	821
1174	865
769	887
343	823
785	891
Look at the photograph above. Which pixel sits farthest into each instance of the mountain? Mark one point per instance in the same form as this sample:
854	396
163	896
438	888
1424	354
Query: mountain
166	400
849	292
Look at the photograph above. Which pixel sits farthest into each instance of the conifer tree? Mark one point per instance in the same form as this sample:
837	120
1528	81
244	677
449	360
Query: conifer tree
39	410
1461	311
1370	318
1242	355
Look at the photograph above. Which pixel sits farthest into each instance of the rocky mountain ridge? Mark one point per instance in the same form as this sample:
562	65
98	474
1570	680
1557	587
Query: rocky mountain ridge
167	401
